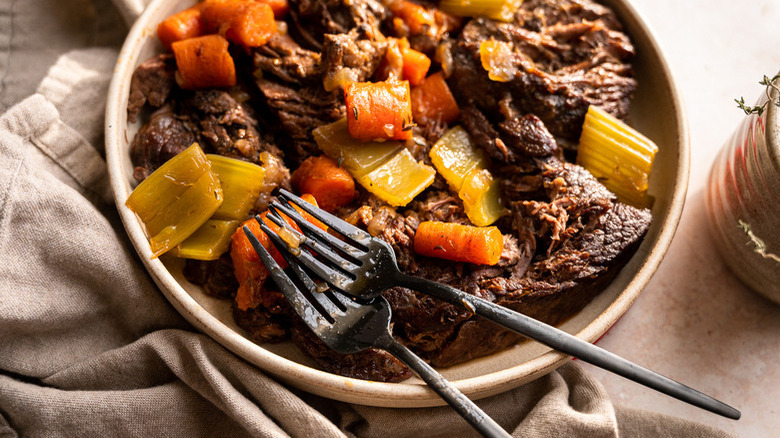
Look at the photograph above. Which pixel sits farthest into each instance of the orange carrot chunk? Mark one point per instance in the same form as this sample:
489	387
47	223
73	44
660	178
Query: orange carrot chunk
415	64
204	62
280	7
379	110
332	186
249	24
432	100
180	26
460	243
249	270
415	16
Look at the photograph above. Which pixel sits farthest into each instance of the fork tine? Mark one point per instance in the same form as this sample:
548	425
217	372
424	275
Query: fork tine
308	312
320	236
350	232
330	306
310	242
330	275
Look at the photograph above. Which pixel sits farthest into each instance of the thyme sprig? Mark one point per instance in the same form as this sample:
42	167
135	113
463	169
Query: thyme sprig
759	109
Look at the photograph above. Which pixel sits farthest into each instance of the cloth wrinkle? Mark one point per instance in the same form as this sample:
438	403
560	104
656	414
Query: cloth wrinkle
6	50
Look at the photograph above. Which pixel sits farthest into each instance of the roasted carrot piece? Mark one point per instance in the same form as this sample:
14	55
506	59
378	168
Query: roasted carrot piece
247	266
308	197
249	24
204	62
332	186
415	16
432	100
280	7
180	26
460	243
415	64
377	110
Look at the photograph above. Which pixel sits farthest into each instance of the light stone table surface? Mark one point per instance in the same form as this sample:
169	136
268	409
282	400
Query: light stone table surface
695	321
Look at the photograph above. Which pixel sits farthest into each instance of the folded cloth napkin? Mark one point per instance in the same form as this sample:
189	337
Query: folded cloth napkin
89	346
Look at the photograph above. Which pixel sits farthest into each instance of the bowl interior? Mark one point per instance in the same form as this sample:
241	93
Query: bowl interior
656	111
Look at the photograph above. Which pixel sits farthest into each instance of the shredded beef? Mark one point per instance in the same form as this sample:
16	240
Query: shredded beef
350	56
300	111
152	82
564	63
371	364
283	58
215	277
159	140
213	118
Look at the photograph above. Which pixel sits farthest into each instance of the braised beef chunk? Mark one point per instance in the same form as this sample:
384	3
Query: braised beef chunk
215	276
152	82
528	136
350	56
283	58
213	118
262	325
300	111
313	19
159	140
371	364
226	127
562	63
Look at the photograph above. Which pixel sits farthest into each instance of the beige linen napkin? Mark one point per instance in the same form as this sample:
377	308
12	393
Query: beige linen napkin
90	347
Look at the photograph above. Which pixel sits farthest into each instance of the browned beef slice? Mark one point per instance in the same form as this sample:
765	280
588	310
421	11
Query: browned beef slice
262	325
152	82
562	66
528	136
213	118
350	55
313	19
228	127
286	60
300	111
164	136
214	276
371	364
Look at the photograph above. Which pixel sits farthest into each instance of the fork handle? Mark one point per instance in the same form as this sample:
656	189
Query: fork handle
462	404
567	344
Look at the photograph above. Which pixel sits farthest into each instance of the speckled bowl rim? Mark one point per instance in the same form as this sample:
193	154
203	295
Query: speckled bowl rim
354	390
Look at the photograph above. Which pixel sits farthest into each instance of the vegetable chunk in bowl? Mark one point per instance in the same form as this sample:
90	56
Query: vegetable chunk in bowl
286	134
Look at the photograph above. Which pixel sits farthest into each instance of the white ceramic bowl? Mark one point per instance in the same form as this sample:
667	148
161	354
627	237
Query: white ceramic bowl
656	111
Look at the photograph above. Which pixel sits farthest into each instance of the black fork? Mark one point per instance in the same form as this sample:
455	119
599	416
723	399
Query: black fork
349	325
364	266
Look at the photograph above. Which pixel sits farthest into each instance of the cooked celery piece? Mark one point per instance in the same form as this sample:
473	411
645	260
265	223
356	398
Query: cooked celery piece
359	158
185	215
168	182
481	197
241	182
209	242
498	59
399	180
454	155
503	10
176	199
619	156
